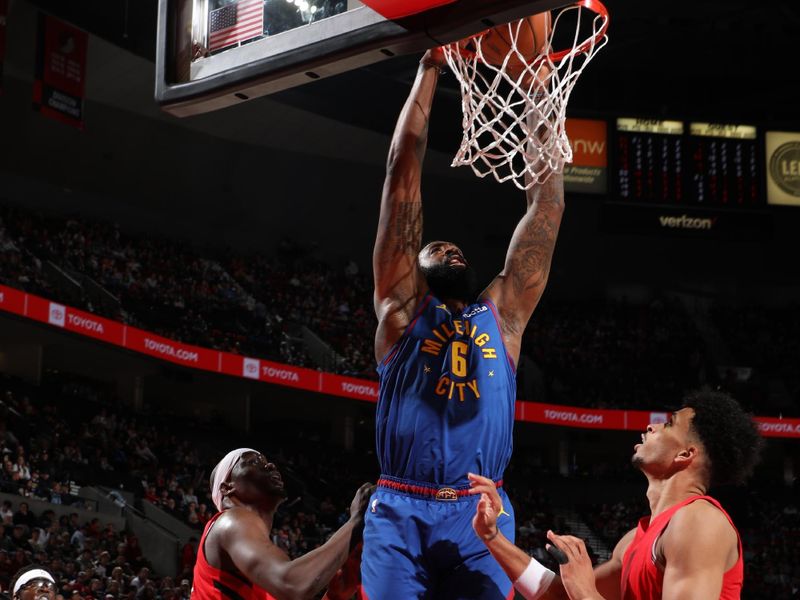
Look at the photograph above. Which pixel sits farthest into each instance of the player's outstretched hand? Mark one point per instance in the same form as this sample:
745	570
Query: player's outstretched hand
489	506
577	574
479	484
359	504
485	520
434	57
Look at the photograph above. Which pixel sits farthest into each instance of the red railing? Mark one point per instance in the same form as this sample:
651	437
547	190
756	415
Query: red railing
138	340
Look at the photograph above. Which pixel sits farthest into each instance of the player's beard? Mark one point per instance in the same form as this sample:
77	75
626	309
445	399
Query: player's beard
448	282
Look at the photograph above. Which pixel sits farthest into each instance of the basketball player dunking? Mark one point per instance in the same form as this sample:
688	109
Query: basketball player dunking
446	361
687	549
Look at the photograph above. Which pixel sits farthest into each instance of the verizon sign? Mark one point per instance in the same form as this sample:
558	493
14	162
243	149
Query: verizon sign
687	222
706	223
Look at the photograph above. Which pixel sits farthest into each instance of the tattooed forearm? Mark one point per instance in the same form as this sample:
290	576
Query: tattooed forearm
532	250
549	192
407	228
530	254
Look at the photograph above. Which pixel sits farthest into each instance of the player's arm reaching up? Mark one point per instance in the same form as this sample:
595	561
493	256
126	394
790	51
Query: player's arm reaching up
398	283
240	543
518	288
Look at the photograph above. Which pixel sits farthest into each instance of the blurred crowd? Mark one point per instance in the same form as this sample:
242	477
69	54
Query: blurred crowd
615	354
295	308
88	559
765	349
58	438
241	304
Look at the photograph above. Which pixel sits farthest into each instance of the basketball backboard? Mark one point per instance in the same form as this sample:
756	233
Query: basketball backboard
216	53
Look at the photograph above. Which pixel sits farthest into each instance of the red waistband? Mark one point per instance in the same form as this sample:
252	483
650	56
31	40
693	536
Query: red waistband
423	491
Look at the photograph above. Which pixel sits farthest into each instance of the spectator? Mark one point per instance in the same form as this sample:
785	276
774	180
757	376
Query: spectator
23	516
141	579
21	468
78	538
6	513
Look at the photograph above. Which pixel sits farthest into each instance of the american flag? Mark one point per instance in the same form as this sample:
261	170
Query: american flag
234	23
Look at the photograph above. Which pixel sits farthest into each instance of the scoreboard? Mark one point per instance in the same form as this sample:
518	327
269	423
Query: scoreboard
723	161
704	165
650	161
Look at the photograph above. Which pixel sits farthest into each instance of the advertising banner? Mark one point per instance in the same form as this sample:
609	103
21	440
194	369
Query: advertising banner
60	78
774	427
90	325
349	387
178	353
82	323
783	168
588	173
12	301
288	375
570	416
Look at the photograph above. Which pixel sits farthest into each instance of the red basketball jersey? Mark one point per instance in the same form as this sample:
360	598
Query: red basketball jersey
643	579
211	583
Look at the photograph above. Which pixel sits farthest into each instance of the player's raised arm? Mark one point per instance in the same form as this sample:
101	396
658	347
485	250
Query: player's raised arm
518	288
398	284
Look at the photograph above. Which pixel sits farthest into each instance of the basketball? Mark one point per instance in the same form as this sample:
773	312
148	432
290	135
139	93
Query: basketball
530	35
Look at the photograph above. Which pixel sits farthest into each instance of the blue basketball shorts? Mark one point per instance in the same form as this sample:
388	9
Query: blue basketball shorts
419	547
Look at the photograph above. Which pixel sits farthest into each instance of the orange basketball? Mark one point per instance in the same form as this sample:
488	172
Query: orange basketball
531	36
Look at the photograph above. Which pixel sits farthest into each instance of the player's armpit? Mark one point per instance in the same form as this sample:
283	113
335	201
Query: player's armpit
698	547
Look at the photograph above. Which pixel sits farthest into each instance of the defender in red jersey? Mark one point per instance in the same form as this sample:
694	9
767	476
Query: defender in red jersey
236	559
687	549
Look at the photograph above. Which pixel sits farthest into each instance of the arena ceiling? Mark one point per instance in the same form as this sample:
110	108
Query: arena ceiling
723	60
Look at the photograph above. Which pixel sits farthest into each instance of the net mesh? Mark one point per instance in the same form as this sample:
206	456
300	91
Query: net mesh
515	111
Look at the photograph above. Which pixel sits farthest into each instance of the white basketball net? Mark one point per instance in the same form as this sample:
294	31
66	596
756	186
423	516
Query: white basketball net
514	122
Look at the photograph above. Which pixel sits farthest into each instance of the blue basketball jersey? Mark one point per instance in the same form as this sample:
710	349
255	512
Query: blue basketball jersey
446	397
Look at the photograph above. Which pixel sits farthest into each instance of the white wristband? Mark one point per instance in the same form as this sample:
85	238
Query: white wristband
534	581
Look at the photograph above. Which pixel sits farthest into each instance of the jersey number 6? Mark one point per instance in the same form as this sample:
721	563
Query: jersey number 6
458	356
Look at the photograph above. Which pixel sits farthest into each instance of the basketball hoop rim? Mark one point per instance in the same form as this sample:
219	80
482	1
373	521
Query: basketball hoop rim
597	7
594	5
